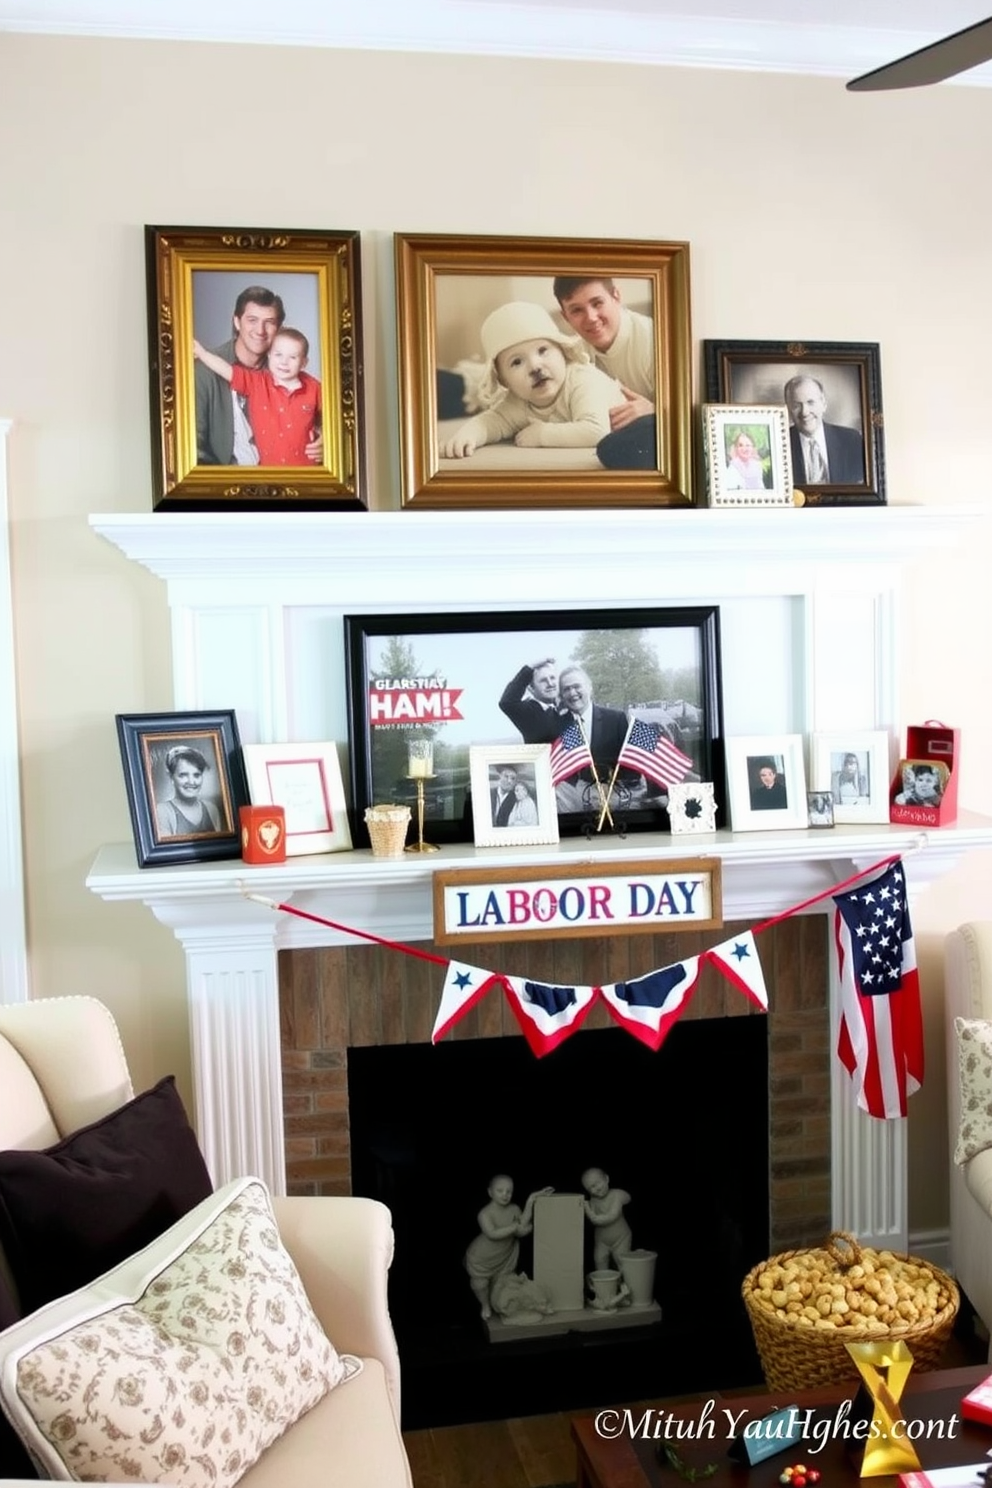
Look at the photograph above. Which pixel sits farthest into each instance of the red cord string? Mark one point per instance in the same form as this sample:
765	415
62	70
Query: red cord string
396	945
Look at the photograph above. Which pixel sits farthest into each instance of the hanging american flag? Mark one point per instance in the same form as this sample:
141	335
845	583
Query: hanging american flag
569	753
880	1042
648	748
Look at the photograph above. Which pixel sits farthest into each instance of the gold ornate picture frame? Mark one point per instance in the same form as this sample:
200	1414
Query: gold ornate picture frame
460	296
283	428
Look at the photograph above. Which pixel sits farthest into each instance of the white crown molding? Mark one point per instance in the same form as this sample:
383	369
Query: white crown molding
773	42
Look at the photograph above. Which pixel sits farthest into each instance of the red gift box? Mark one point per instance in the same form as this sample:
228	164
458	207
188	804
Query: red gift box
977	1404
929	741
263	834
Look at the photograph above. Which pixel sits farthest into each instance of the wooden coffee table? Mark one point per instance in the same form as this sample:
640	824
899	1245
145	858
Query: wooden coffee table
609	1455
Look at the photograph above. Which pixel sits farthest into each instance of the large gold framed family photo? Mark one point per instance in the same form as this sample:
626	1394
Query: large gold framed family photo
543	372
255	350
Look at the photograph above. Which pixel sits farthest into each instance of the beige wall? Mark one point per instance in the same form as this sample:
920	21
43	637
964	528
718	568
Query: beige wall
810	213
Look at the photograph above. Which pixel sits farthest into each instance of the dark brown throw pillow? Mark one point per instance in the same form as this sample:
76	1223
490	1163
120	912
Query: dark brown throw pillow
71	1212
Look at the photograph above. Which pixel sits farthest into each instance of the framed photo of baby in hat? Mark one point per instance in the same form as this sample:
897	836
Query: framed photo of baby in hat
542	372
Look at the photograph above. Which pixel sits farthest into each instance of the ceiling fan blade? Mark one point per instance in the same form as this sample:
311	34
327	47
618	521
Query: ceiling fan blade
932	64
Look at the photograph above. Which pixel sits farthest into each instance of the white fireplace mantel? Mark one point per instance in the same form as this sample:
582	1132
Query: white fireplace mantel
257	601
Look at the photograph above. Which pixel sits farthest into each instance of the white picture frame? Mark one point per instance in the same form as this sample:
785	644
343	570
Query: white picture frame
759	432
828	752
305	779
750	757
530	765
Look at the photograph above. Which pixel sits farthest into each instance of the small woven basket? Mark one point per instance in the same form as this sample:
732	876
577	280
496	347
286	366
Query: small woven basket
387	829
798	1356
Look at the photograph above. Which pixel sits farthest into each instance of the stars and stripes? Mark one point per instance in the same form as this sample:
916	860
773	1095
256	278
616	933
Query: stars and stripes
880	1041
880	1038
569	753
648	749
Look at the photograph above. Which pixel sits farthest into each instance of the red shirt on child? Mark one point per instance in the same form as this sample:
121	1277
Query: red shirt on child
283	421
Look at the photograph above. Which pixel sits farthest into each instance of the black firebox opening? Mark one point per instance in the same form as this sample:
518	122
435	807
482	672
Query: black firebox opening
683	1130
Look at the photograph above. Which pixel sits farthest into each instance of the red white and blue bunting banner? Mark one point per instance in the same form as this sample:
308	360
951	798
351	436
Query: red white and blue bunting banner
880	1041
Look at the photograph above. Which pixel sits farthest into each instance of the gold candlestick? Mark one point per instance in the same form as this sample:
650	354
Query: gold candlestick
420	846
420	767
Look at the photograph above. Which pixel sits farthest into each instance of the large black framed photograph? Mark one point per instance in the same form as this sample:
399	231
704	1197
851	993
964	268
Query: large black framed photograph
185	783
832	392
556	677
543	372
255	346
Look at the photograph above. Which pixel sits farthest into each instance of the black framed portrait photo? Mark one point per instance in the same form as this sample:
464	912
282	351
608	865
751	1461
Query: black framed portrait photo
185	783
627	700
832	393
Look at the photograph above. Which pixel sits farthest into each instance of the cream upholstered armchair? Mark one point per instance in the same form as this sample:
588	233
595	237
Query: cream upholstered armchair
968	995
62	1068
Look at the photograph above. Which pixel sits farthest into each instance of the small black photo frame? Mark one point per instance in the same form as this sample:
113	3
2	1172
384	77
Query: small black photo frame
464	679
832	392
185	785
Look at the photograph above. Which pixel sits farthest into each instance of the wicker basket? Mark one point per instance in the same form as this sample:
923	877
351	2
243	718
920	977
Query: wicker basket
799	1356
387	829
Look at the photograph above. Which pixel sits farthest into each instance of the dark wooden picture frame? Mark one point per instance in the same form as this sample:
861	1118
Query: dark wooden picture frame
449	290
155	749
848	377
260	446
457	679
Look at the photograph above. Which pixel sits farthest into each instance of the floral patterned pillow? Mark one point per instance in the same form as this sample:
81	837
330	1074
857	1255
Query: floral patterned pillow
182	1364
975	1075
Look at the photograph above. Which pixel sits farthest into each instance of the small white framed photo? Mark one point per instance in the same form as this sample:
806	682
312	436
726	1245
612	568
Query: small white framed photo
766	782
748	459
305	779
854	767
513	800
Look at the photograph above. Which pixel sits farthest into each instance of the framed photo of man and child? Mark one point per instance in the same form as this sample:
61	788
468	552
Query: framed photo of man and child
255	346
628	701
543	372
832	395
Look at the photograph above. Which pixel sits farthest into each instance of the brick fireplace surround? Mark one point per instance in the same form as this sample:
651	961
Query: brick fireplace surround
331	1000
257	603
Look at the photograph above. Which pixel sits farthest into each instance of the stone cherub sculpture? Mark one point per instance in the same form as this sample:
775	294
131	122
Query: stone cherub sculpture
491	1258
604	1210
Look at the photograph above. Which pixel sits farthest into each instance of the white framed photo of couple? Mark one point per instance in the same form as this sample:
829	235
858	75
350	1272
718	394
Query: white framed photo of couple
513	800
853	766
747	455
543	372
255	353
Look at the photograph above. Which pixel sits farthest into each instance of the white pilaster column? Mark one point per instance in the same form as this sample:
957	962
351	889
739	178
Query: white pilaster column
233	990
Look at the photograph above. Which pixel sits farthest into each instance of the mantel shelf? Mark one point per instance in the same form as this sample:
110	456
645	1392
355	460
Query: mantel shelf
763	873
614	554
